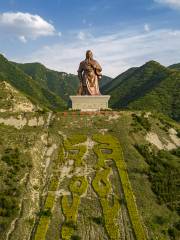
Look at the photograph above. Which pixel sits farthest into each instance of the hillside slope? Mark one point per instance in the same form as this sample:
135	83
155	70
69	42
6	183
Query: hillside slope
60	83
71	175
104	80
150	87
116	81
12	100
33	90
175	66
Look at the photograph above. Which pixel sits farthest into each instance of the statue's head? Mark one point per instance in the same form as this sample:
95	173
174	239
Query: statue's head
89	54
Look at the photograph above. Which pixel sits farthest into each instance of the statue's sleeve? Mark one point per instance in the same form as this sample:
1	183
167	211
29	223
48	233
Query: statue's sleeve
98	66
98	69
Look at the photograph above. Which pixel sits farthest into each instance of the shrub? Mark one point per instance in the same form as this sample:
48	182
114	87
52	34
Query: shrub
8	204
98	220
143	121
75	237
46	213
163	174
178	133
171	233
160	220
176	152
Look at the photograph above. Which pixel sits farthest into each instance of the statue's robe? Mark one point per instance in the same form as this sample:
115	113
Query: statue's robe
89	73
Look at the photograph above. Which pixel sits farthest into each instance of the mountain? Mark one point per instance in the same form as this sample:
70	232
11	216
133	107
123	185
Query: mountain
149	87
104	80
115	82
175	66
33	90
60	83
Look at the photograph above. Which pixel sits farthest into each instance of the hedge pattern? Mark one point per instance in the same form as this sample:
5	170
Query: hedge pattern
78	187
112	143
107	147
102	187
74	150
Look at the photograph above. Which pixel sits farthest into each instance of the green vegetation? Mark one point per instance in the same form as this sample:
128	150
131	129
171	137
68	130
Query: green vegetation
175	66
59	83
141	122
102	187
98	220
75	151
45	218
31	89
117	156
164	174
81	189
151	87
101	183
178	134
46	213
75	237
111	214
15	164
70	211
116	81
78	187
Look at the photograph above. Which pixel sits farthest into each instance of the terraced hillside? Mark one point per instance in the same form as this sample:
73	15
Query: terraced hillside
71	175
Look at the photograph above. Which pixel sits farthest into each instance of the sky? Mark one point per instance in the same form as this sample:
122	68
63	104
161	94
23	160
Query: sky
121	33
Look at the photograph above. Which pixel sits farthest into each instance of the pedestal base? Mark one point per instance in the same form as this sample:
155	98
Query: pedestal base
90	103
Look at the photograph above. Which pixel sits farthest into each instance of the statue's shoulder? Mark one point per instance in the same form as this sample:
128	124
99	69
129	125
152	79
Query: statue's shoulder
82	62
93	61
81	66
96	64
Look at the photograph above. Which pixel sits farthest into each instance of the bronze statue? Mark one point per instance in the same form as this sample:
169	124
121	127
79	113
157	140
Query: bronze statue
89	74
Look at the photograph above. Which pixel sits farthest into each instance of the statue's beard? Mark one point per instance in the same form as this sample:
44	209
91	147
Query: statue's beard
89	58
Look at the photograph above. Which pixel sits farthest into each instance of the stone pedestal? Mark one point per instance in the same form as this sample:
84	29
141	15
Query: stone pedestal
90	103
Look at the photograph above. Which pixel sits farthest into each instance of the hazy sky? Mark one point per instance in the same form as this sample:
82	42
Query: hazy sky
121	33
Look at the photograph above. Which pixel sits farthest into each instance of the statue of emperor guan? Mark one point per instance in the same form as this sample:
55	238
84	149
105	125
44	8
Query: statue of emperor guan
88	96
89	74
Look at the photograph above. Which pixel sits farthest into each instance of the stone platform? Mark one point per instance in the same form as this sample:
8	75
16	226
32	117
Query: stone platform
89	103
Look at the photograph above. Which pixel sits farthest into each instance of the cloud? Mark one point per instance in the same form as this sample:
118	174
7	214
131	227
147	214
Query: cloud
171	3
84	35
116	52
22	39
147	27
81	35
25	26
59	34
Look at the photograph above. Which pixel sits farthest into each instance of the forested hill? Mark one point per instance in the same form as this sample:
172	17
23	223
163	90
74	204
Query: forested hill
37	93
60	83
175	66
149	87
